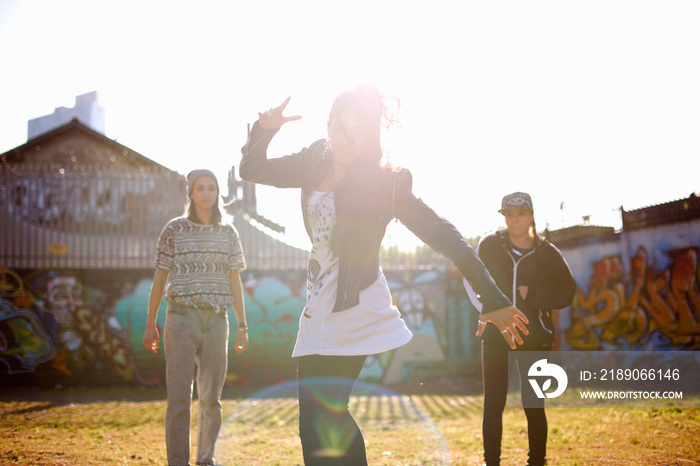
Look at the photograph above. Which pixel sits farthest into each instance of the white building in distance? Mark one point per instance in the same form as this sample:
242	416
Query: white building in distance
87	110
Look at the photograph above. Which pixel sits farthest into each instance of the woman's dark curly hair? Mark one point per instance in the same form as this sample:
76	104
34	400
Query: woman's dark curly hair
374	108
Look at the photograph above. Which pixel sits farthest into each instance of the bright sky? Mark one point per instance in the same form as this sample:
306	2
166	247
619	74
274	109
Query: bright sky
592	104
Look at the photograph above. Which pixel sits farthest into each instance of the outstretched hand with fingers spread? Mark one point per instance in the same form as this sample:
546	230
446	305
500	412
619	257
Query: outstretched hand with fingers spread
274	118
508	320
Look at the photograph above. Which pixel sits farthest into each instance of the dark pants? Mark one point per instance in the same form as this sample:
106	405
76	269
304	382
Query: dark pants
495	370
329	434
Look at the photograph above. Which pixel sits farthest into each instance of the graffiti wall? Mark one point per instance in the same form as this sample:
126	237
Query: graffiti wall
638	293
54	329
61	327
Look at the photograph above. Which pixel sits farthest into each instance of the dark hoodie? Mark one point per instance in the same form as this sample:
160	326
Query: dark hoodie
542	269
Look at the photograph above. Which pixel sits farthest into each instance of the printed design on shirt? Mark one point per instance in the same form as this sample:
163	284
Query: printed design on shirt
322	218
322	263
312	271
199	259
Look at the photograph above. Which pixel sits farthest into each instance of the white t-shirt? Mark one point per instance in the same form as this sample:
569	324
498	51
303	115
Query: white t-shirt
371	327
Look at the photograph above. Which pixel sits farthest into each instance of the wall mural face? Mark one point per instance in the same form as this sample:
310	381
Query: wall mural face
61	327
657	308
420	297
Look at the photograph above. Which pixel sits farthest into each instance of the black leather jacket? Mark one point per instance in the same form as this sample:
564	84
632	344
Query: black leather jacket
363	213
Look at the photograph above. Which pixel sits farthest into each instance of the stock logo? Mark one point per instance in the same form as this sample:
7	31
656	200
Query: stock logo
541	369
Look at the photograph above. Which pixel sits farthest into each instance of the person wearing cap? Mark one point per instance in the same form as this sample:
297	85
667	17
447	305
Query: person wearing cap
348	198
534	275
202	258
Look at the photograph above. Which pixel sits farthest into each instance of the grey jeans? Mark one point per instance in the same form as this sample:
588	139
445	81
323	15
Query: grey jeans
194	340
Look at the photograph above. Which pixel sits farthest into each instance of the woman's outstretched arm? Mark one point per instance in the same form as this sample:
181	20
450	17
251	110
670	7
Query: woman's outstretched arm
444	237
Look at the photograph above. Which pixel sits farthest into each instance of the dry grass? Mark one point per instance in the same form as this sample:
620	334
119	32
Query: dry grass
125	426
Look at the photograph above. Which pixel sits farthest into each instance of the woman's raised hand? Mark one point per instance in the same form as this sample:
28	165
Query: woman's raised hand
274	118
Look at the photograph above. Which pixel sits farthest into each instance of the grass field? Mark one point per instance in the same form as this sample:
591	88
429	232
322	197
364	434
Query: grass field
125	426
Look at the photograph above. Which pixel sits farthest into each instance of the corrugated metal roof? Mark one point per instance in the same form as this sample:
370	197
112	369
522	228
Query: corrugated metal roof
72	144
670	212
681	210
577	234
264	249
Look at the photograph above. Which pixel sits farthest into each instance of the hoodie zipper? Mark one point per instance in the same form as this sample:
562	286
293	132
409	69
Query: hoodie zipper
516	263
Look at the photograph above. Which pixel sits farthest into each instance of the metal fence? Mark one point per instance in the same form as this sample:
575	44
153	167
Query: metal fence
99	217
85	217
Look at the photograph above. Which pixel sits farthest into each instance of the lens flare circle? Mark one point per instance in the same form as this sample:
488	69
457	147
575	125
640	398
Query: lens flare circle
382	414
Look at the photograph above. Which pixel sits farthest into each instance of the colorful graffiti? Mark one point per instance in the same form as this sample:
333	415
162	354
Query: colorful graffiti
273	306
58	327
24	343
63	327
420	297
652	309
49	329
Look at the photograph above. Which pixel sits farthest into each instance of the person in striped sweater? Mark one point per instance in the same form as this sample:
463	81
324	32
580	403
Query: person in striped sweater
202	258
